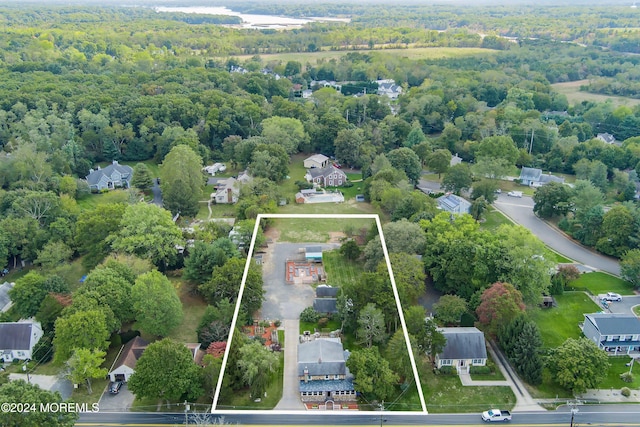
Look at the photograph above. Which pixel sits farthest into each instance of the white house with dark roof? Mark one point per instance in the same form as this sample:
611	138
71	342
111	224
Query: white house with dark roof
17	340
389	88
465	347
227	191
607	138
326	177
323	372
534	177
454	204
316	161
113	176
615	333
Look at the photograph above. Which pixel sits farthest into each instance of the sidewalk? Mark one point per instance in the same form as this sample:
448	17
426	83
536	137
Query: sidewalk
609	396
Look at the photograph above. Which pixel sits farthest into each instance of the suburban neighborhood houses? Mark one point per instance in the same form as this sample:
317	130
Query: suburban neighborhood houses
378	210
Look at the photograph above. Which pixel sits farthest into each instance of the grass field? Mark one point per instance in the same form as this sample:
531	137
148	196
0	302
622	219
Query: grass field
575	96
193	308
340	271
493	219
618	366
601	283
410	53
92	200
559	323
241	399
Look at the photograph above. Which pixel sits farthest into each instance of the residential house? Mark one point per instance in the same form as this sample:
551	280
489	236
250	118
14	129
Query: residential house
329	176
17	340
113	176
125	364
214	168
534	177
465	347
323	372
5	300
228	191
326	299
607	138
614	333
454	204
455	160
316	161
244	177
389	88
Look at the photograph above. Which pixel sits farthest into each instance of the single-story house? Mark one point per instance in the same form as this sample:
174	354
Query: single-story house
316	161
326	299
227	192
454	204
125	364
615	333
214	168
113	176
535	178
244	177
465	347
607	138
323	372
17	340
313	253
5	300
329	176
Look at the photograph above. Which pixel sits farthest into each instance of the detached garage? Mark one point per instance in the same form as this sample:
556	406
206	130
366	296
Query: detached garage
125	364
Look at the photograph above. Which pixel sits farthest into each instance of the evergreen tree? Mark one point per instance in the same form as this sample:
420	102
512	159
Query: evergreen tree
142	177
526	354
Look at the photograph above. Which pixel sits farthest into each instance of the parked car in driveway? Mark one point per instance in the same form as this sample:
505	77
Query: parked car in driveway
114	387
612	296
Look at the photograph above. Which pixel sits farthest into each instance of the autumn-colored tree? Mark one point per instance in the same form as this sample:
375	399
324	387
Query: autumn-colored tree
499	304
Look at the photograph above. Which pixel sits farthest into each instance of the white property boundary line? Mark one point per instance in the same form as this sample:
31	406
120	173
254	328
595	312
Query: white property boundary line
244	280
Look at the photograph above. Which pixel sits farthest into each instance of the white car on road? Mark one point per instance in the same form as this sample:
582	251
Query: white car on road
612	296
514	194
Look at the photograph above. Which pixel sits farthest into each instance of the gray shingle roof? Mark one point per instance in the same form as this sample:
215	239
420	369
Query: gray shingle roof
530	174
324	172
615	324
325	305
94	177
326	291
327	385
463	343
15	336
321	357
313	249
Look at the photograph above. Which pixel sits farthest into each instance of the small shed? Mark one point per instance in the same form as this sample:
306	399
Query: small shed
313	253
547	302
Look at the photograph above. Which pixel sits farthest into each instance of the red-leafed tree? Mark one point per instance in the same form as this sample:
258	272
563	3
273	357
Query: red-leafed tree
217	348
499	305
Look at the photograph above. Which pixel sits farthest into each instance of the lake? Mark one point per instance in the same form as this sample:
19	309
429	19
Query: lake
249	20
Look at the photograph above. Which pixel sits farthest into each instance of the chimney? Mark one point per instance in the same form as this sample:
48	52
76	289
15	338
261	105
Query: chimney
115	162
91	171
229	196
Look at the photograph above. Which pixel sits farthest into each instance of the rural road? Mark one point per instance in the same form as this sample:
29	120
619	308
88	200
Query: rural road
520	210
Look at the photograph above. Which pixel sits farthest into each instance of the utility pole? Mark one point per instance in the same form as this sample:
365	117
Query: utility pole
574	411
186	410
531	143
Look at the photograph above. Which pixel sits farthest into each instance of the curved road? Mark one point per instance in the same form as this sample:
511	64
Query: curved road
520	210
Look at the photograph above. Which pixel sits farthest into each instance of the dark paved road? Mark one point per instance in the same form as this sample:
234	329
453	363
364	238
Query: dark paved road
520	210
157	193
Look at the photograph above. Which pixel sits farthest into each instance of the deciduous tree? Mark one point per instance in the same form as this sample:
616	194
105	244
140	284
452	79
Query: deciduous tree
372	373
182	180
449	308
85	365
499	304
31	289
458	178
406	160
20	391
371	325
578	364
551	200
630	267
257	364
439	161
156	304
84	329
93	228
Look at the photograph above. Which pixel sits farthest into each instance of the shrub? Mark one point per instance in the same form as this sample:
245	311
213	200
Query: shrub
43	350
277	323
116	340
309	315
625	391
323	322
479	370
447	370
128	336
627	377
348	184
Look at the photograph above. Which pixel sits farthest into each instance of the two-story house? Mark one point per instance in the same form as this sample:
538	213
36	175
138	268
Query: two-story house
615	333
110	177
326	177
323	372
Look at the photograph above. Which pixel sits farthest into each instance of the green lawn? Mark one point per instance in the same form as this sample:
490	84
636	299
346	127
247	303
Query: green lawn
332	325
555	256
618	366
153	167
193	308
559	323
339	270
93	200
548	389
72	272
493	219
299	230
601	283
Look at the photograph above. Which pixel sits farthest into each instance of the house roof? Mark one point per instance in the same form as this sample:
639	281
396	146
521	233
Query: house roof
313	249
324	172
131	353
15	335
530	174
545	179
615	324
463	343
451	202
4	294
326	291
320	158
325	305
606	137
321	357
95	175
327	385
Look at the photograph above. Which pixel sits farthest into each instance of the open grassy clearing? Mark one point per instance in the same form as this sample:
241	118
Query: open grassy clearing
601	283
493	219
93	200
340	271
619	366
559	323
575	96
413	53
193	308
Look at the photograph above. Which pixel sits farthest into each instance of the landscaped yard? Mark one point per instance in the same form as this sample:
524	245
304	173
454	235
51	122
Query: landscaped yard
618	366
96	199
559	323
601	283
493	219
340	271
242	400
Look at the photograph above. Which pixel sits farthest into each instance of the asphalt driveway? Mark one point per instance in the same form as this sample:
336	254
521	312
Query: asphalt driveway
625	306
520	210
120	402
